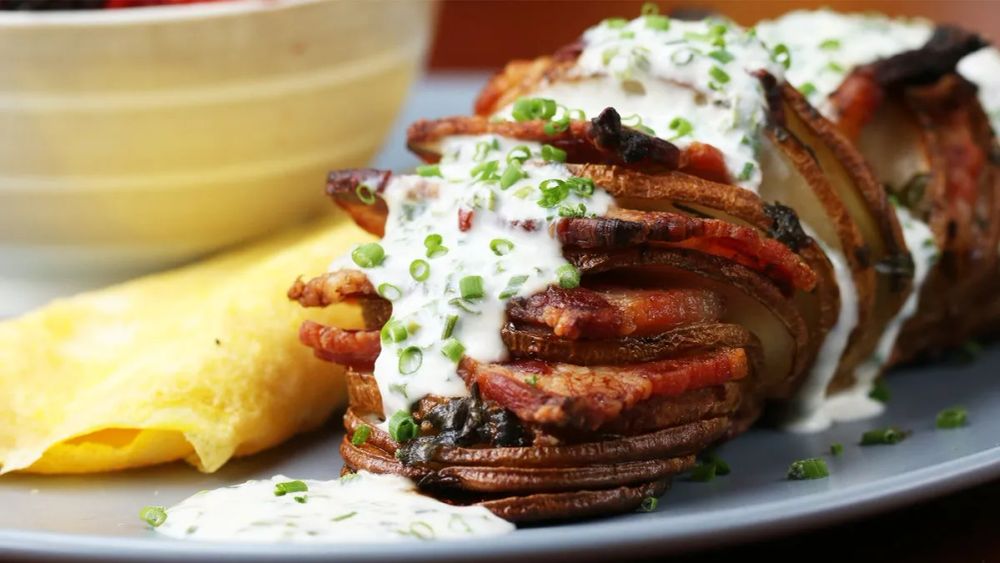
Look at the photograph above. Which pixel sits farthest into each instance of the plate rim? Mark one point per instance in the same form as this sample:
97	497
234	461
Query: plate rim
648	536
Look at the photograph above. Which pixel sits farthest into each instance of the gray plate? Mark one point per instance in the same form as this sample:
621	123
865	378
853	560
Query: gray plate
96	517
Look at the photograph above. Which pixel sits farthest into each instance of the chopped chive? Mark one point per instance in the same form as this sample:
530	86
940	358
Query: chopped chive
402	427
464	305
747	172
453	349
583	187
649	9
501	246
519	153
718	74
399	389
394	331
410	359
830	44
552	154
616	23
301	499
569	276
880	391
527	109
155	516
344	516
282	489
486	171
627	34
483	148
608	54
781	55
721	467
880	436
471	287
449	326
682	57
389	291
835	66
513	286
580	210
531	380
511	175
648	504
437	251
703	472
420	270
836	449
721	55
433	240
680	127
658	22
954	417
421	530
365	194
807	89
804	469
553	192
428	170
361	434
368	255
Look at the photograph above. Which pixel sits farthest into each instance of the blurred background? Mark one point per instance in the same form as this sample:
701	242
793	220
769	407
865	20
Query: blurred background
486	33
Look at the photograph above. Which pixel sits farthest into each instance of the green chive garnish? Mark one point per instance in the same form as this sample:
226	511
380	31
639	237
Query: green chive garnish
883	436
483	148
519	153
449	326
721	55
471	287
434	246
410	359
301	499
680	127
830	44
389	291
402	427
365	194
552	154
569	211
807	89
531	380
658	22
153	515
428	170
343	516
781	55
835	66
420	269
361	434
501	246
649	9
511	175
880	392
703	472
803	469
486	171
719	75
527	109
282	489
649	504
747	172
393	331
836	449
453	349
569	276
954	417
513	286
368	255
464	305
616	23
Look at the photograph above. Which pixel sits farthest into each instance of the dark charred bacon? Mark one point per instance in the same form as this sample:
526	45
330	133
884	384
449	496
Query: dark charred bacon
743	245
330	288
587	397
613	313
608	134
354	348
786	227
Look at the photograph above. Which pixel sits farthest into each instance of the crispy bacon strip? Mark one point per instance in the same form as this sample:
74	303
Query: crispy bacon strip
743	245
356	191
330	288
354	348
587	397
614	313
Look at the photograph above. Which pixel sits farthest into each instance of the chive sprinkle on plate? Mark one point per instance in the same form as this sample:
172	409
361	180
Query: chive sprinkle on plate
883	436
804	469
954	417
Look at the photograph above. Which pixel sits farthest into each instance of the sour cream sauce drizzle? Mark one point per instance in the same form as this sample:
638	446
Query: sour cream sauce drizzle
363	507
507	243
825	46
686	83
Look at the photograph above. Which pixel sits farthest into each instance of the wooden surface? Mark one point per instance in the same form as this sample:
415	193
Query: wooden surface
488	33
962	527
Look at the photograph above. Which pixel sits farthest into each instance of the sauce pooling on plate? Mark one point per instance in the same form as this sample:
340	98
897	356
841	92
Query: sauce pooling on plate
361	507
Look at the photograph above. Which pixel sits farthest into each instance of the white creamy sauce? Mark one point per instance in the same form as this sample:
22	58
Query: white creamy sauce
982	68
361	508
414	366
854	403
826	45
693	74
807	412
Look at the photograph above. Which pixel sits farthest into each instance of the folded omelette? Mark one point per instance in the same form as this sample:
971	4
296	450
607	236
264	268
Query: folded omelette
201	364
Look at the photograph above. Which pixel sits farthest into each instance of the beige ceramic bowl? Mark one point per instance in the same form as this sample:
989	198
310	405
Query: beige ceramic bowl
134	139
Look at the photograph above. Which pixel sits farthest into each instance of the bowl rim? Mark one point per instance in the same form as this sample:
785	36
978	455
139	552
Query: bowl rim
144	14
